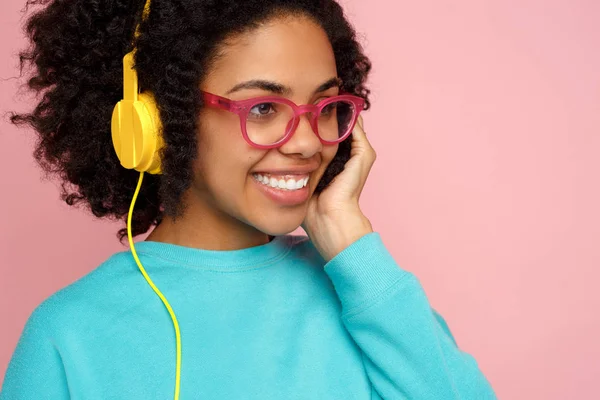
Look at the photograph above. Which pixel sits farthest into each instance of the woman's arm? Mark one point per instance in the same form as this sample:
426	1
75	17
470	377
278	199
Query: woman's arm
35	370
409	352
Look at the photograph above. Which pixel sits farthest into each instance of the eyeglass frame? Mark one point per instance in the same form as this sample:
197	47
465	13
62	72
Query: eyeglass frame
242	109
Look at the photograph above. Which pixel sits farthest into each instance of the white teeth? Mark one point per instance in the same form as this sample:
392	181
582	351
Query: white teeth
290	184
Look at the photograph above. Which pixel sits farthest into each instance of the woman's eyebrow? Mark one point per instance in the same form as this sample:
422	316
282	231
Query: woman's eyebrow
333	82
280	89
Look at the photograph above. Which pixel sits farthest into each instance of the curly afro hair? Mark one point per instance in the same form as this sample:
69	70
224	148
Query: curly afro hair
76	55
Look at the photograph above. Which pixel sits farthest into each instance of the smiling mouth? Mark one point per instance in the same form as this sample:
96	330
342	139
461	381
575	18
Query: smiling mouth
282	182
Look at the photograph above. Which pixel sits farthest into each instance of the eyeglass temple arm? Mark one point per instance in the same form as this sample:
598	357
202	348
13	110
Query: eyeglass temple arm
217	101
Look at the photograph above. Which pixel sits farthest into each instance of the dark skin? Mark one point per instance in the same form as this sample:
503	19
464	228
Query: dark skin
224	210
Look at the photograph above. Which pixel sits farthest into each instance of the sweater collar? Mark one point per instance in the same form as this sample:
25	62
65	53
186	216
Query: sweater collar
248	258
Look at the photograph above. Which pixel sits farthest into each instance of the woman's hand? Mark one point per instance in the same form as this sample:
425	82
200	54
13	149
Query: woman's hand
334	219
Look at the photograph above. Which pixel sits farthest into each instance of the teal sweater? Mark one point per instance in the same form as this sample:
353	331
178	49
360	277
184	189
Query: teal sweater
270	322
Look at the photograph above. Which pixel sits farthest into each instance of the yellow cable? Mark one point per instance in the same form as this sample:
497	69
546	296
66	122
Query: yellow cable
164	300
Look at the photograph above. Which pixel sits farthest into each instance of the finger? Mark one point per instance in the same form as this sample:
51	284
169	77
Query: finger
360	135
361	145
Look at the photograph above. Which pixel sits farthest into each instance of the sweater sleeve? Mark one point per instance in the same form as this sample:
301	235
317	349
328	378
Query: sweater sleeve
35	370
408	350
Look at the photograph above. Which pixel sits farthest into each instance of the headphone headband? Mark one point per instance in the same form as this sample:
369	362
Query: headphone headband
130	78
145	14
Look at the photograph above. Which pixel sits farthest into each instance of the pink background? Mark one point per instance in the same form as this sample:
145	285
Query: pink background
486	118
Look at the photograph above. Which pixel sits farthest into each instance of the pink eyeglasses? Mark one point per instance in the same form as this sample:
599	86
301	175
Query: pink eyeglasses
270	121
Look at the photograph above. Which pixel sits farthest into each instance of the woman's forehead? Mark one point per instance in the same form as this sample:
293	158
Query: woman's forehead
294	52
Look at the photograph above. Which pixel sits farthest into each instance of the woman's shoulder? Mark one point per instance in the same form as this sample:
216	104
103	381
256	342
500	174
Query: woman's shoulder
88	294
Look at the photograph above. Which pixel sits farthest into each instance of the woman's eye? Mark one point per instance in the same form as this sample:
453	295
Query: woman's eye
329	108
262	109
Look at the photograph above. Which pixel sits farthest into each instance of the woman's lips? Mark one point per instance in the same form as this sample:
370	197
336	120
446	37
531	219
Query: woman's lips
284	196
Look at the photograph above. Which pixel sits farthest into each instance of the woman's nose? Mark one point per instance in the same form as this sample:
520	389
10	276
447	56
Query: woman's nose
304	139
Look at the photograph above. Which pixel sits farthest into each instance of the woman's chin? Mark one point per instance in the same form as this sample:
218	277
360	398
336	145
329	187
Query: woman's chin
278	227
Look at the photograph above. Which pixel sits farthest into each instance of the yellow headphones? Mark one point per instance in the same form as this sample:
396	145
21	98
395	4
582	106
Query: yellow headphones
135	125
137	139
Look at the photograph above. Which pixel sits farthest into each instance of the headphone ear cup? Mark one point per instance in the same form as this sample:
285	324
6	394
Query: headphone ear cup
136	134
150	132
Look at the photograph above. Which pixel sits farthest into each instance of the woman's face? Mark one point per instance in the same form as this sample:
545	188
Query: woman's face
295	55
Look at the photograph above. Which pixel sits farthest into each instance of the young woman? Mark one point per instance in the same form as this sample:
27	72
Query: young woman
257	104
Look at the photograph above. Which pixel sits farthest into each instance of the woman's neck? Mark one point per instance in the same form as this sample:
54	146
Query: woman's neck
204	232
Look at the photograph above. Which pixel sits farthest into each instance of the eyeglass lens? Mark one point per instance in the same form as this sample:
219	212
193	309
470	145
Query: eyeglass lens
267	123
